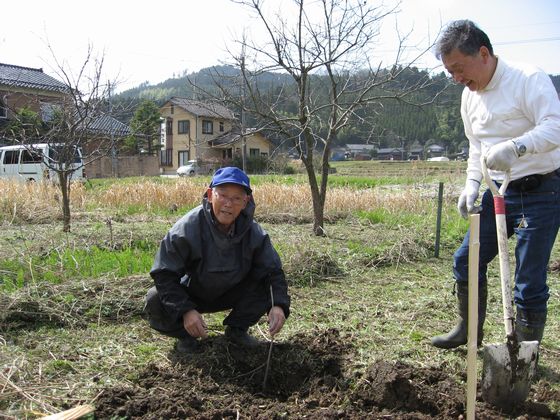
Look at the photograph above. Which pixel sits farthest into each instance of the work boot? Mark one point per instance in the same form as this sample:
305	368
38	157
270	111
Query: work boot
529	325
240	337
459	334
187	345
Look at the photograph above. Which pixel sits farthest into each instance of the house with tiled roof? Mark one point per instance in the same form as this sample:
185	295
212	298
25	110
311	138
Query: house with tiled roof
28	87
31	88
230	144
204	131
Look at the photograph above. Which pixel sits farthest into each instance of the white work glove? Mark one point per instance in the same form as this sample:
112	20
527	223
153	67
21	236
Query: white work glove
467	199
501	156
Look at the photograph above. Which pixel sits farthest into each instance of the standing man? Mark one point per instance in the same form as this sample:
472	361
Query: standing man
213	259
511	115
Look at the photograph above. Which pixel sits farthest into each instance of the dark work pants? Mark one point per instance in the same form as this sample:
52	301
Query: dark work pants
248	303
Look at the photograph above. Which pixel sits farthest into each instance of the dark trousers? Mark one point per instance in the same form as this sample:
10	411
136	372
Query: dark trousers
248	303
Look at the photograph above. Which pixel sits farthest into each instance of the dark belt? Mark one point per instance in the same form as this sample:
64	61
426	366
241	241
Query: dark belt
531	182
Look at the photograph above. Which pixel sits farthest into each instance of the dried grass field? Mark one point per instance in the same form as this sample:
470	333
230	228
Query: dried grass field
366	298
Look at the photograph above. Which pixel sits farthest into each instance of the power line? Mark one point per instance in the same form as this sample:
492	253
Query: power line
528	41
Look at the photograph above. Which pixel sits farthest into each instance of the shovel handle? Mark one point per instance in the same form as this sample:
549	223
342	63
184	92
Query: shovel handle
501	232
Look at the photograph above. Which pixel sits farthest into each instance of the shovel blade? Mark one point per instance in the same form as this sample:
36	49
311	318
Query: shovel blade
507	373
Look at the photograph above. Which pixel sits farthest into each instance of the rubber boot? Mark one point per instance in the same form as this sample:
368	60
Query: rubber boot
529	325
240	337
187	345
459	334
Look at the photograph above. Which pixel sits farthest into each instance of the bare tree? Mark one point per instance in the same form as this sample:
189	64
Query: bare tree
78	123
327	50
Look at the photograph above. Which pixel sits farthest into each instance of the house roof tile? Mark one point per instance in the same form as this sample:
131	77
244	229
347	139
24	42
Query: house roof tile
107	124
203	109
26	77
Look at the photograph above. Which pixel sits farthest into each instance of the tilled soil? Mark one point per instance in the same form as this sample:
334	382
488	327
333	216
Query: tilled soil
309	377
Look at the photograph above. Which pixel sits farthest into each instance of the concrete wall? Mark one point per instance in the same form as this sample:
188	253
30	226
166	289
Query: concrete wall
138	165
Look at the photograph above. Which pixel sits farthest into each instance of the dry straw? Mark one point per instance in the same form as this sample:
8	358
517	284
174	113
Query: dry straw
38	202
35	202
270	197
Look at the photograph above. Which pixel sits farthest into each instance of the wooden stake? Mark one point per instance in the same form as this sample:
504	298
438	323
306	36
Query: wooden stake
72	414
270	348
474	249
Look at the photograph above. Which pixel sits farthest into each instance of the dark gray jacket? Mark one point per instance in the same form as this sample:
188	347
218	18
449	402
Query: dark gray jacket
196	259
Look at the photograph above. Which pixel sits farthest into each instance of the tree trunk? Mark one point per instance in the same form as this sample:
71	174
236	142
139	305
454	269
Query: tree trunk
318	215
64	184
316	197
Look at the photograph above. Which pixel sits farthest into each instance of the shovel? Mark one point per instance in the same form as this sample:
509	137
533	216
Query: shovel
508	368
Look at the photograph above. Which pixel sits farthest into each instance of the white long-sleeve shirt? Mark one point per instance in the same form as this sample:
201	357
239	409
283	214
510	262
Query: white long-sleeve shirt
519	103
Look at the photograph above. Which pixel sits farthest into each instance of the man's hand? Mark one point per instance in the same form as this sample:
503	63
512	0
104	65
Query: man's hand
501	156
194	324
467	199
276	320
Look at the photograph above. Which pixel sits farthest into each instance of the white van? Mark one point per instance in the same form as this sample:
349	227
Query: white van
27	163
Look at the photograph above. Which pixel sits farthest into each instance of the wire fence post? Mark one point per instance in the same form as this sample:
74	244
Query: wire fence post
438	221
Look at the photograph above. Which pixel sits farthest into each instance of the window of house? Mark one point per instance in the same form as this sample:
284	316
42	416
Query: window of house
47	111
172	109
227	153
3	110
264	154
183	157
166	157
207	127
169	128
221	126
254	152
184	127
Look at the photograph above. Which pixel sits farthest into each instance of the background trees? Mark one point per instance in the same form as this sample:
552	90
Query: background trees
331	82
145	128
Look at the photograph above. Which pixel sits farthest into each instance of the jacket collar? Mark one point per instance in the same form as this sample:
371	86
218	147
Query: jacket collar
497	76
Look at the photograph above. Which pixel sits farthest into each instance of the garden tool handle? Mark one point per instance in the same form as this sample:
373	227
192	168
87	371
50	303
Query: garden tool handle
501	232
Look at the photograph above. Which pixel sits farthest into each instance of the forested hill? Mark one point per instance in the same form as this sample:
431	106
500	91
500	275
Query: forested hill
395	124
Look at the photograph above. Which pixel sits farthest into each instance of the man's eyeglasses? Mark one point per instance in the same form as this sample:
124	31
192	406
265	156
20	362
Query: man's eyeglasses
235	200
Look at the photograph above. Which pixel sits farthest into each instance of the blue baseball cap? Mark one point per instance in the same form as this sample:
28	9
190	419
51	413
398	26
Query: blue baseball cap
231	175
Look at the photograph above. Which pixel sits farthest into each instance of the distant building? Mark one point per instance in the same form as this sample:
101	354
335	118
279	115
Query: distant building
207	131
391	153
339	153
360	151
26	87
435	150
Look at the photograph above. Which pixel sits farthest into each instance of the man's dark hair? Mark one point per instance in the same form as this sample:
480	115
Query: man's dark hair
463	35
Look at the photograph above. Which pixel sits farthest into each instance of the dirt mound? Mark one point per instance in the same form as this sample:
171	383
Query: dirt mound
397	386
307	379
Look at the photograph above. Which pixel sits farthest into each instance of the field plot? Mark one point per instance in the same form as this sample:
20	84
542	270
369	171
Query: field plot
366	298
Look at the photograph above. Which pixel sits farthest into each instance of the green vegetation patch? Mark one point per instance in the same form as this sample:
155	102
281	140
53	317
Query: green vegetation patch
59	266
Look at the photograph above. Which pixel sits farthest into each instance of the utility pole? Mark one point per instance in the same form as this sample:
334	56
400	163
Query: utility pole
114	160
243	141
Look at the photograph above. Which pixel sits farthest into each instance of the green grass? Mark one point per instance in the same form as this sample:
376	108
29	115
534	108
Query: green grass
75	264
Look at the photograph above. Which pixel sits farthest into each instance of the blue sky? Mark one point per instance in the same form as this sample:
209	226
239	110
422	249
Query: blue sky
152	41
